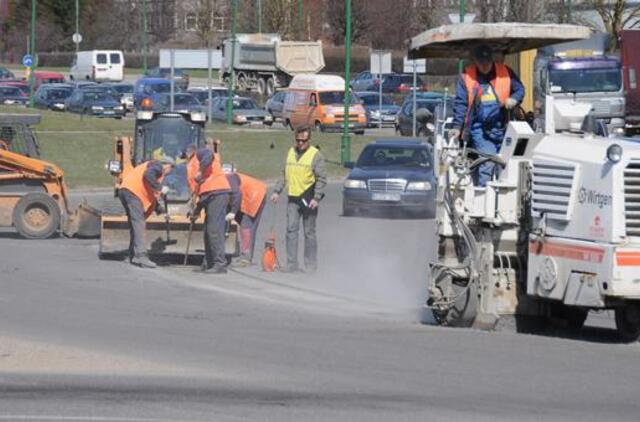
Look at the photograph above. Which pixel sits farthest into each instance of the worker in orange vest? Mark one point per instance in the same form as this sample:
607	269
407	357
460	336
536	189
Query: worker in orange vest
139	193
208	182
250	203
486	90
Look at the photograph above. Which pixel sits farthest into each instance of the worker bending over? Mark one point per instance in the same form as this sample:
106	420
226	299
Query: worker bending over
305	178
252	195
485	92
211	189
139	193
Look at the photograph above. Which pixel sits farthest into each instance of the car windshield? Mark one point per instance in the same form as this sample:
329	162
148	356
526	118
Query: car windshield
159	88
373	100
97	96
335	97
186	100
244	104
585	80
123	89
10	90
58	94
391	156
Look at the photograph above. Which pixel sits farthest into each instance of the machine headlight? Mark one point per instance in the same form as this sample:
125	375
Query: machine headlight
614	153
355	184
419	186
97	108
114	167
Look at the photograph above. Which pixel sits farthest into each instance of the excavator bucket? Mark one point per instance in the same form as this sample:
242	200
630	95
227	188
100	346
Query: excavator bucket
84	222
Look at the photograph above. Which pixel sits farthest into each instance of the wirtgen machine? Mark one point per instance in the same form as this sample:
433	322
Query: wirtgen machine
33	195
158	135
556	233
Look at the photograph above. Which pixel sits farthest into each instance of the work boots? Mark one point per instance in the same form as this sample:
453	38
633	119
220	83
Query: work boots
143	262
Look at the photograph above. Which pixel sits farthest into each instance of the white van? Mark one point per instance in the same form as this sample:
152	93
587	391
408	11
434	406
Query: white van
98	65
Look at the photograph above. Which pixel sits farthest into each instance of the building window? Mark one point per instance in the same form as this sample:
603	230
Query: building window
190	22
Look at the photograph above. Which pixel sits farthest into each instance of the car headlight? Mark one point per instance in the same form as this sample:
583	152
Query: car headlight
375	114
618	131
120	108
419	186
268	118
239	119
97	108
355	184
614	153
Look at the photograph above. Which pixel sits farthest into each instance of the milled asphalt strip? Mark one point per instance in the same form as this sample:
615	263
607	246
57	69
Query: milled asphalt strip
78	418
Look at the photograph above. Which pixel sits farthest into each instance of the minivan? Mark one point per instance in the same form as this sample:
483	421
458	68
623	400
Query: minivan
98	65
318	101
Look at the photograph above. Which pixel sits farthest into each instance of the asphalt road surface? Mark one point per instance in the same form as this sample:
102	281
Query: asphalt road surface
84	339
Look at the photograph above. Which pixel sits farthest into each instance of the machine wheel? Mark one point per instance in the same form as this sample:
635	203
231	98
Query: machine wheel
628	322
462	312
36	216
262	86
271	86
573	316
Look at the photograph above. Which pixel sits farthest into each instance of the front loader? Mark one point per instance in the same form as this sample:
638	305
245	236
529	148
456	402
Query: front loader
556	232
33	194
157	135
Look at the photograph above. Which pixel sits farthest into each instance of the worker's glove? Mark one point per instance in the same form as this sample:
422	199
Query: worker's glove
165	190
160	209
230	217
510	103
192	215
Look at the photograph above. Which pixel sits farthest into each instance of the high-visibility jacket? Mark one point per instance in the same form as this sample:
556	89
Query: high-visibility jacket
134	182
253	193
501	83
214	177
299	173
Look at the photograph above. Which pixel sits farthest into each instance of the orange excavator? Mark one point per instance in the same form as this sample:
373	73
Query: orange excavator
33	195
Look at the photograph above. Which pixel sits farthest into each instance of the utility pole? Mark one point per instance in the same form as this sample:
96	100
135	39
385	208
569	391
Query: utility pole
300	20
232	76
77	23
569	11
260	16
32	77
463	11
144	36
345	146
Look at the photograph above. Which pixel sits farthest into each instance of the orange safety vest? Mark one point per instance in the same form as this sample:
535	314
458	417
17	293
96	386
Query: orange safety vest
214	177
501	84
134	182
253	193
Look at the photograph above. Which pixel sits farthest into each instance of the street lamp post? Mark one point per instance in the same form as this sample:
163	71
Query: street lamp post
77	22
345	146
144	36
463	11
260	16
34	57
232	76
300	19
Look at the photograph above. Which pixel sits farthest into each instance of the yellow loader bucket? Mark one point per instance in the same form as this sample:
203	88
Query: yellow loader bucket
84	222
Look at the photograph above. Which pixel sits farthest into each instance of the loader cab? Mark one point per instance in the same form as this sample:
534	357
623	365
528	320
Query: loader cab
16	135
161	136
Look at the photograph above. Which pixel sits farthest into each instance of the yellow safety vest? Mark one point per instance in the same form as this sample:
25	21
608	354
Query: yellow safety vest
299	173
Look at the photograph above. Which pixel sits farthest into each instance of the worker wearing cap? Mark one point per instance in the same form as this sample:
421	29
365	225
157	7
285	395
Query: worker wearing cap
485	91
208	182
305	178
246	207
139	193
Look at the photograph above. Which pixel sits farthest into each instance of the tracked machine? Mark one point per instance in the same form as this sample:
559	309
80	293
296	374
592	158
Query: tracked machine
556	233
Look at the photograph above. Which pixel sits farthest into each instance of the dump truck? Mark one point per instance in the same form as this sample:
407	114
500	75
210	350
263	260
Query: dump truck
581	70
629	47
555	233
34	198
157	135
263	62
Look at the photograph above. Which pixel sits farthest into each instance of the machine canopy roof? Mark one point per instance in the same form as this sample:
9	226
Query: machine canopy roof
456	41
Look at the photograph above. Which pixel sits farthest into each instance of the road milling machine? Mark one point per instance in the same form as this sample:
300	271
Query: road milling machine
556	232
33	194
158	135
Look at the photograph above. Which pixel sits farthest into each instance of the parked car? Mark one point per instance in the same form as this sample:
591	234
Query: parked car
43	77
376	114
202	94
245	111
6	74
404	118
180	77
275	105
98	65
399	83
365	81
146	87
182	103
95	103
21	85
393	176
11	95
52	96
125	93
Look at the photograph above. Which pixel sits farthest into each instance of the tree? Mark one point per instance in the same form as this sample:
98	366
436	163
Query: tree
278	16
335	16
616	15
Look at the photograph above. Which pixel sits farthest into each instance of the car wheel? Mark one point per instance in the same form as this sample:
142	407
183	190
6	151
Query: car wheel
36	216
398	132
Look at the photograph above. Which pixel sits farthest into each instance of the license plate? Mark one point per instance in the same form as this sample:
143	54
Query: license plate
108	112
379	196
